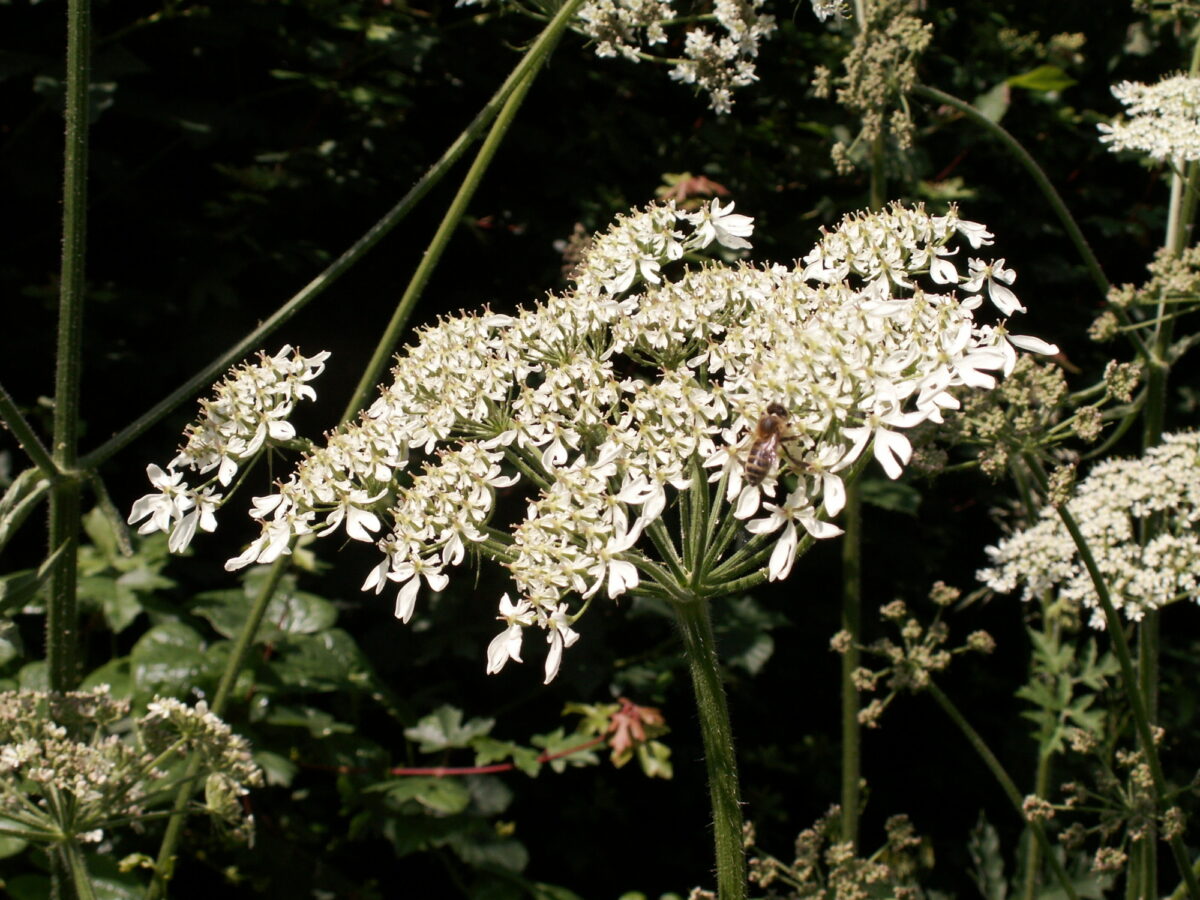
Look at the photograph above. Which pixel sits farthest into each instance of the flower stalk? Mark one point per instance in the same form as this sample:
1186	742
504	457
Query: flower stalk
164	866
695	626
979	745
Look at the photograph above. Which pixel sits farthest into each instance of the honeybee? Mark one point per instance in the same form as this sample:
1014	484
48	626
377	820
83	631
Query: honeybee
769	435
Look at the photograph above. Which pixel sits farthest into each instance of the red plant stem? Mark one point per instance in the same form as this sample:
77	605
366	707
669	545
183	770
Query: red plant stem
443	771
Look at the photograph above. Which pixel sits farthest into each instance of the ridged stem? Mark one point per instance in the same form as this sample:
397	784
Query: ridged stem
695	625
62	615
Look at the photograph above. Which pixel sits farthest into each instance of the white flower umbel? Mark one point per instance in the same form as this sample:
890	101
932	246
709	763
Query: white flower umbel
717	60
249	409
618	416
1108	506
1163	120
77	765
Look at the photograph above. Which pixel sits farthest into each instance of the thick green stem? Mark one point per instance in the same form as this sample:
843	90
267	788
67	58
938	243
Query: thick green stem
535	56
61	608
852	624
1006	784
75	865
699	644
164	866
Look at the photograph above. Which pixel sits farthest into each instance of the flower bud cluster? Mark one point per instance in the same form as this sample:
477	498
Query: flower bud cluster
881	69
249	408
910	664
73	764
644	383
1109	504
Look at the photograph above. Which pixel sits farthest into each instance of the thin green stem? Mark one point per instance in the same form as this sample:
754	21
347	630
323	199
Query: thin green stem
62	615
164	866
1033	855
1006	784
695	625
27	438
661	538
1129	679
528	70
851	623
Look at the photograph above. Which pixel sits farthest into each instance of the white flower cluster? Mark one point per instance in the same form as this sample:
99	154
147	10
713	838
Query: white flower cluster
1163	119
1109	506
250	406
642	386
720	63
715	61
75	764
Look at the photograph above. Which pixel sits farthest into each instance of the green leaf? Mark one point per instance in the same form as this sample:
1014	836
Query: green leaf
444	728
11	646
596	716
291	612
994	104
11	846
528	761
655	759
446	796
486	848
1043	79
988	871
318	722
169	659
34	676
558	742
893	496
488	750
490	796
21	498
18	588
115	673
278	770
329	661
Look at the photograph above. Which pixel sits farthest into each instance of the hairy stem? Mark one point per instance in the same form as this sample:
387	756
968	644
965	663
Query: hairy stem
695	625
62	615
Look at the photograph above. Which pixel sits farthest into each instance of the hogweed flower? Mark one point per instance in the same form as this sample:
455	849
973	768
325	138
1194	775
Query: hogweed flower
718	53
74	765
1109	505
249	408
625	408
1163	119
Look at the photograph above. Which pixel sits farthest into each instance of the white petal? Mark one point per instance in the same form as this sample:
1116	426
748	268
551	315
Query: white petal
406	601
1032	344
